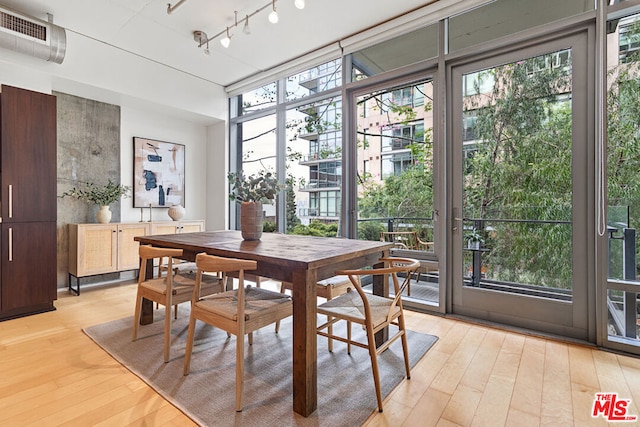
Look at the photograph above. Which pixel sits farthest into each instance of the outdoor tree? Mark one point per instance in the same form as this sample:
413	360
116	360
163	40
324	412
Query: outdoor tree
517	175
623	148
410	193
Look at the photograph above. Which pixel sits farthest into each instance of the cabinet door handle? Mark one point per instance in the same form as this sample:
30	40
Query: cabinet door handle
10	201
10	244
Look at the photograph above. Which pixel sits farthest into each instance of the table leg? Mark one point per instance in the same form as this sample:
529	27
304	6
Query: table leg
305	374
146	318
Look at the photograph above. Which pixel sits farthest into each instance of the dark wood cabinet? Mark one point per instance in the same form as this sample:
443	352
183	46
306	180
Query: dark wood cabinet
28	202
28	270
28	155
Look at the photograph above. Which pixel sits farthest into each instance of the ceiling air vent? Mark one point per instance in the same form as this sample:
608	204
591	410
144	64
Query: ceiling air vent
32	36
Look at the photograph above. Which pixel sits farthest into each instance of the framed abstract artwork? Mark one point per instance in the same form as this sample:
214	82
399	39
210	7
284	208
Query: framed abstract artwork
158	173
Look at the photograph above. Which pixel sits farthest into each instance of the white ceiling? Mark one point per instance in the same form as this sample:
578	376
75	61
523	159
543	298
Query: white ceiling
144	28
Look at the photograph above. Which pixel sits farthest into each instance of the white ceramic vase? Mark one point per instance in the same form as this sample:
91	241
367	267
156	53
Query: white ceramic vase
176	212
103	215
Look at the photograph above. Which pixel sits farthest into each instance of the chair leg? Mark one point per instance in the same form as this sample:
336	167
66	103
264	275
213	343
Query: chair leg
189	348
329	318
175	316
167	332
239	371
374	365
330	332
348	337
405	347
250	338
136	317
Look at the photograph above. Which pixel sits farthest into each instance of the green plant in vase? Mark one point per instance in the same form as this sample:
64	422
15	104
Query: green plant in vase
251	192
101	195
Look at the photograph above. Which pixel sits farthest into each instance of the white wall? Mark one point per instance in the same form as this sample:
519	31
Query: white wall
156	102
199	181
217	202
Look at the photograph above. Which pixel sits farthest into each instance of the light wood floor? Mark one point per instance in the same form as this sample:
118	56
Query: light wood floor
52	374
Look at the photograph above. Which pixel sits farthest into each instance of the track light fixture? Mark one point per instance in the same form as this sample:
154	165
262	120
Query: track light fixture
245	28
226	40
273	16
201	37
170	8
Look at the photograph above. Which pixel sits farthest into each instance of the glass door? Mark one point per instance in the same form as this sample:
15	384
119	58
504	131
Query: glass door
395	178
520	168
621	309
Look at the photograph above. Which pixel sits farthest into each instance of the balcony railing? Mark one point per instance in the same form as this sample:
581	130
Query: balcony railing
315	184
496	263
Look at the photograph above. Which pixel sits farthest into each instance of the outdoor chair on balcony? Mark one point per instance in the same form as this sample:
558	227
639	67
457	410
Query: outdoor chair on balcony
406	240
409	240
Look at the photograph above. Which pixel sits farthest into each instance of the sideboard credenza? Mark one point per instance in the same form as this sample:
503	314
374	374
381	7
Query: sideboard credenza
109	248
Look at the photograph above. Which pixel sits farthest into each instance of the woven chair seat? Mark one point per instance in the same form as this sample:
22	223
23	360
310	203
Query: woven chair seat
258	302
349	306
183	284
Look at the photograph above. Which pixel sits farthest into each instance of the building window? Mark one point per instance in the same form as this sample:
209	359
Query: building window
399	137
395	164
325	204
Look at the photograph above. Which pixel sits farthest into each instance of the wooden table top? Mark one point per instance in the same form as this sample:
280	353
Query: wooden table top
291	251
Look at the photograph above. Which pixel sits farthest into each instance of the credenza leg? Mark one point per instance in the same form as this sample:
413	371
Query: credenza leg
75	290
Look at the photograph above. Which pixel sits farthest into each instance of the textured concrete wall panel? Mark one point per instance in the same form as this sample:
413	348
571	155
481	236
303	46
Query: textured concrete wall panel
88	151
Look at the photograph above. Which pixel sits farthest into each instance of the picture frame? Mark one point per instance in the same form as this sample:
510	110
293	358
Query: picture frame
158	173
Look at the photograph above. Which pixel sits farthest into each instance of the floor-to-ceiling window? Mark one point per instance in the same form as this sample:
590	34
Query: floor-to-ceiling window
622	163
502	167
395	175
293	127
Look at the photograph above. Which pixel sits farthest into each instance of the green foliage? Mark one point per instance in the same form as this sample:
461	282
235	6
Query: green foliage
406	195
269	227
292	216
263	187
521	170
623	150
370	230
102	195
317	228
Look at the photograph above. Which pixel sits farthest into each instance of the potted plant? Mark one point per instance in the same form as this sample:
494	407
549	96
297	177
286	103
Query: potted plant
251	192
474	239
101	195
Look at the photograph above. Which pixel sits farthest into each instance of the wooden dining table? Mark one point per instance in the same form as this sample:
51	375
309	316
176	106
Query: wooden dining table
300	260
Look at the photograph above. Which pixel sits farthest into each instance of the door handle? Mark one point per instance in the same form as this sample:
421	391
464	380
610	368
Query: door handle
10	201
456	219
10	244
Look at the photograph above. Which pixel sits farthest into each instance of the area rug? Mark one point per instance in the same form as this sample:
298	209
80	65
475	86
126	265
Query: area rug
346	394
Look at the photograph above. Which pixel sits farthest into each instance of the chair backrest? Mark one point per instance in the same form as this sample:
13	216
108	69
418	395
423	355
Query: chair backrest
402	239
393	266
211	263
147	252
